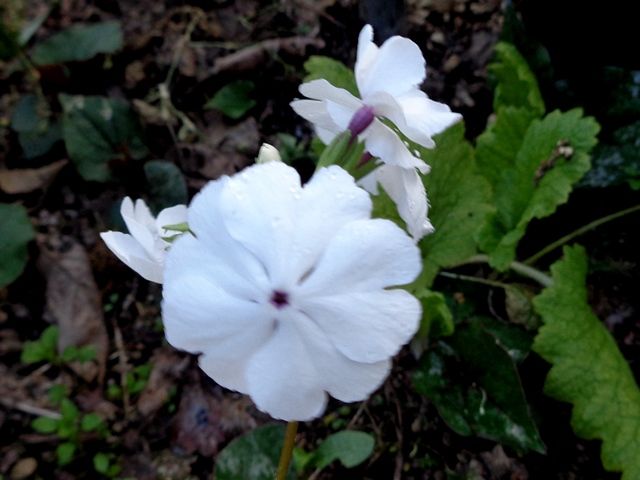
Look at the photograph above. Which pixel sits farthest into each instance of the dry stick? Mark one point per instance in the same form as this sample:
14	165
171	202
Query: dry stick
580	231
30	409
287	450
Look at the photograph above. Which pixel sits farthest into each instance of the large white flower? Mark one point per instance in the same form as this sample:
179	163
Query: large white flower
144	248
388	79
285	291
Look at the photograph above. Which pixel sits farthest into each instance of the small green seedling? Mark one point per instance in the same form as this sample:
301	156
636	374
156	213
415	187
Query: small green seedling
45	349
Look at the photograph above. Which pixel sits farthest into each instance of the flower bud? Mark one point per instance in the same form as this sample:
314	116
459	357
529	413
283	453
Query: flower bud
361	120
268	153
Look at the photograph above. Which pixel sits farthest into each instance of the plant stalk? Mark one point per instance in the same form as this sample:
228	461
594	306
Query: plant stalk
518	267
287	450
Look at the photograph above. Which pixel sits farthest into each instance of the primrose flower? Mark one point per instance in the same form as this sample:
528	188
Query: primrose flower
144	248
388	79
285	290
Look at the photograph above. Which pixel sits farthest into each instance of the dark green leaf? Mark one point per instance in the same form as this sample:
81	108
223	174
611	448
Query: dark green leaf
97	130
474	384
101	463
45	348
45	425
79	43
254	456
233	99
335	72
57	393
167	185
351	448
65	452
91	422
16	232
588	369
9	46
437	320
69	411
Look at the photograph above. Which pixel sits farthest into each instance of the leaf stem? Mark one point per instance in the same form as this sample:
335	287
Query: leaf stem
518	267
580	231
287	450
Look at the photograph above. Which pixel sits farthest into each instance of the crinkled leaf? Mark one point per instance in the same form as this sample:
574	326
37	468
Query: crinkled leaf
253	456
588	369
459	198
97	130
78	43
167	185
351	448
516	85
233	99
36	133
334	71
16	232
540	180
474	384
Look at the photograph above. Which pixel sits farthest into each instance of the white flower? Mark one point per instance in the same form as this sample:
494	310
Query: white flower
144	249
285	289
268	153
388	79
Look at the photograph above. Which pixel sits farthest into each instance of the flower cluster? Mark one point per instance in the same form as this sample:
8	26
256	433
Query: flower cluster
292	292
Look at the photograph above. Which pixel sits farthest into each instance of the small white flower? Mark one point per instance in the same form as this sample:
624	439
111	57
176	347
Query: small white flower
268	153
285	290
143	249
388	79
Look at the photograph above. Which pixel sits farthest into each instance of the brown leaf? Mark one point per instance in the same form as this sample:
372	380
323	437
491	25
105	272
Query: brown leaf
26	180
168	366
74	302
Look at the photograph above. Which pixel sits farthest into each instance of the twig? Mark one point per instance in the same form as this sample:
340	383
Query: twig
123	363
580	231
30	409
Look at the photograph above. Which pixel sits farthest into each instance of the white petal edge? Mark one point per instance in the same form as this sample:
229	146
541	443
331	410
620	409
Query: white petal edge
131	253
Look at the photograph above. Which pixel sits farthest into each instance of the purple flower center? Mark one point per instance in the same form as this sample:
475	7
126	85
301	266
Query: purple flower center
279	299
361	120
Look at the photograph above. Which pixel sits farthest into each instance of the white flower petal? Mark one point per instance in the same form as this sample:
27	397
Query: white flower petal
322	90
384	143
282	379
330	200
406	189
141	225
131	253
171	216
397	67
341	377
381	321
424	115
315	111
367	52
340	114
258	207
364	255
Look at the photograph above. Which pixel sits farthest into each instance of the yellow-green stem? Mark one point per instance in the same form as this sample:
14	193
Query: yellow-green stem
287	450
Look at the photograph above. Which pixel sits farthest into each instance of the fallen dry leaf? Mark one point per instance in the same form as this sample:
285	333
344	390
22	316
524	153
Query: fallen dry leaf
26	180
74	302
168	366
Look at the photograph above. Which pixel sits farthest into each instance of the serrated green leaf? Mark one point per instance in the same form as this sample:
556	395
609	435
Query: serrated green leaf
460	200
516	84
45	425
167	185
97	130
540	180
78	43
253	456
334	71
16	232
233	99
351	448
473	382
65	452
588	369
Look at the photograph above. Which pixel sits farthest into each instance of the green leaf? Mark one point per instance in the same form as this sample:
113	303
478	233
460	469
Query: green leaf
36	133
45	425
101	462
253	456
473	382
16	232
335	72
167	185
516	84
459	198
233	99
78	43
552	158
57	393
97	130
588	369
68	409
351	448
45	348
91	422
65	452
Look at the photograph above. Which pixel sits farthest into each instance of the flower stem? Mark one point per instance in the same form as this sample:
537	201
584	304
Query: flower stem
580	231
518	267
287	450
